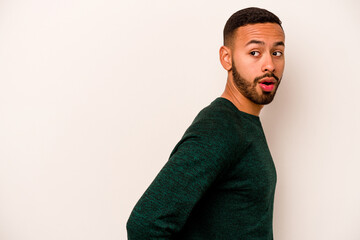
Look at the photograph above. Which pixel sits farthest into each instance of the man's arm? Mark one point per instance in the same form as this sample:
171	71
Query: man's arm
196	162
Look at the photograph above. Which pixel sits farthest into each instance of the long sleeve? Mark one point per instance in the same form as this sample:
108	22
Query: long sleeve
201	157
219	183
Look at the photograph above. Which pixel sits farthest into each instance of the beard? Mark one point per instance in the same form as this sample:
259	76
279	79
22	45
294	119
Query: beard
248	89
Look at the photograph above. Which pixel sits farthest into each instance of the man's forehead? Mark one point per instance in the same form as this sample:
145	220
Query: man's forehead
260	33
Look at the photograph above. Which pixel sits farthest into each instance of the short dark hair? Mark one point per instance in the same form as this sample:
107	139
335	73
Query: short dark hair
247	16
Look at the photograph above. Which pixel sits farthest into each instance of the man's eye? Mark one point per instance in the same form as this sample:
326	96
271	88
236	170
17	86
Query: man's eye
277	54
255	53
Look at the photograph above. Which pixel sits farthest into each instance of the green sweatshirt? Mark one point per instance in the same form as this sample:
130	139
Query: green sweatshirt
218	183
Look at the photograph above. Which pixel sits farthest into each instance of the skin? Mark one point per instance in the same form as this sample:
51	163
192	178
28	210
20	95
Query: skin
255	50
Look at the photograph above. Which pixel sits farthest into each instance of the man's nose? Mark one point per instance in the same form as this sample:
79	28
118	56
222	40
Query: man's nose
268	64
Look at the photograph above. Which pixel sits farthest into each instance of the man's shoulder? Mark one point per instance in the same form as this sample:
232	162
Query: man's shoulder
219	119
220	112
217	127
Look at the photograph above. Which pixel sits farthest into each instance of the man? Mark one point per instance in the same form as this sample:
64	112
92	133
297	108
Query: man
219	182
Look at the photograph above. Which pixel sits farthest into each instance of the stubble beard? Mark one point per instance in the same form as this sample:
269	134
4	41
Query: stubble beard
248	89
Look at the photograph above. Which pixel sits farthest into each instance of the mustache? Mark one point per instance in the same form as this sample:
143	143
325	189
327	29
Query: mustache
269	74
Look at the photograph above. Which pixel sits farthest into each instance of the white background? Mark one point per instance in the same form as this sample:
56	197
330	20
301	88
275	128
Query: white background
95	94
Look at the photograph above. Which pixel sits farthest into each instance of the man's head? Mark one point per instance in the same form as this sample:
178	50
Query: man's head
253	53
245	17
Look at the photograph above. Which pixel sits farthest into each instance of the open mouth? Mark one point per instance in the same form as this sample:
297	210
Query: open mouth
267	85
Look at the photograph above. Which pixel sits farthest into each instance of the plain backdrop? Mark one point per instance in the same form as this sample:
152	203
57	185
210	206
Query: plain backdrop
95	94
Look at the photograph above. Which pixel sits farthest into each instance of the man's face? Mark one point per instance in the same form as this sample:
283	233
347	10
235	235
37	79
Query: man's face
258	61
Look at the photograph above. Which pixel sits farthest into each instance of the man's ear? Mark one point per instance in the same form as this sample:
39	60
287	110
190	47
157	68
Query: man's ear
225	58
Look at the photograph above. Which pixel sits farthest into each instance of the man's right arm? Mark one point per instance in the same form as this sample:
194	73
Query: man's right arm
196	162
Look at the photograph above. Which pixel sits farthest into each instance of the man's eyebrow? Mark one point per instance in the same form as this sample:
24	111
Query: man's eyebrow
281	43
255	42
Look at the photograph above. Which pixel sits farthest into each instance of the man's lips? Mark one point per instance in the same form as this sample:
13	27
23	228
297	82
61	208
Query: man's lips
267	84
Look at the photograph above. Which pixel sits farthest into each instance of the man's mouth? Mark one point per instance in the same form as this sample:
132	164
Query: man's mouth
267	84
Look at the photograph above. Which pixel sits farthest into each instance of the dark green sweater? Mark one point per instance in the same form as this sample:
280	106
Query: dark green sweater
219	183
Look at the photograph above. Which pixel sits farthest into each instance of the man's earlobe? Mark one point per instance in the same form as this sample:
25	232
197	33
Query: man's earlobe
225	57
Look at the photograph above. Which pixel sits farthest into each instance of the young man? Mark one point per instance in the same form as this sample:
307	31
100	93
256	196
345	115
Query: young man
219	182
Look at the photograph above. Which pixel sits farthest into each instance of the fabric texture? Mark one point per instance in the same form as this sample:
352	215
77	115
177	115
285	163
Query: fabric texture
218	183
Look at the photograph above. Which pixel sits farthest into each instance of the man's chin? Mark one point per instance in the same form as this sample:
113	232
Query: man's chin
269	98
265	98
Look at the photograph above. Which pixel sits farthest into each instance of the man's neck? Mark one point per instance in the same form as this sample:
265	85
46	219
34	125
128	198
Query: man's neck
232	94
